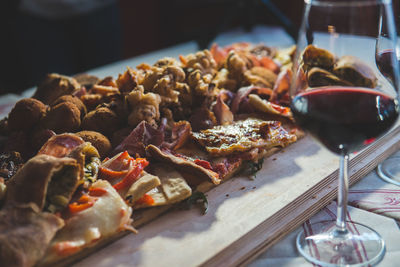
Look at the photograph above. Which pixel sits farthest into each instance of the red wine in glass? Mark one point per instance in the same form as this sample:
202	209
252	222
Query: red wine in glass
345	118
384	61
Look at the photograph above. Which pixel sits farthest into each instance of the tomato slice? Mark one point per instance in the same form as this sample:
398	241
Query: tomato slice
83	203
145	199
203	163
97	191
78	207
132	175
66	248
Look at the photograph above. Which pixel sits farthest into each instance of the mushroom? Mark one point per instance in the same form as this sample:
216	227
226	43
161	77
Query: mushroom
317	57
355	71
320	77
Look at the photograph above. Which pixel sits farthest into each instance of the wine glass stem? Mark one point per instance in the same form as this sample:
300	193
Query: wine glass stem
342	194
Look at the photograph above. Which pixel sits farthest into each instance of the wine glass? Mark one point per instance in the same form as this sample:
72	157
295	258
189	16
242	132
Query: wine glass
340	98
388	170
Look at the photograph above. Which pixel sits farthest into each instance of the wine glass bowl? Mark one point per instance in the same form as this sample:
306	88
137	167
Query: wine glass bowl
339	96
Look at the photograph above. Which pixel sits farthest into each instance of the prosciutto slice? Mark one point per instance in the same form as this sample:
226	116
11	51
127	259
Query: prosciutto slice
143	135
222	111
182	164
61	145
178	135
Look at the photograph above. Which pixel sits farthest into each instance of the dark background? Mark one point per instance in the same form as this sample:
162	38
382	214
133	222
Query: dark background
153	24
29	49
31	46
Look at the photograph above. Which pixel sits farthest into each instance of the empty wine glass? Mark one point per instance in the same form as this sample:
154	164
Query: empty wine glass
340	98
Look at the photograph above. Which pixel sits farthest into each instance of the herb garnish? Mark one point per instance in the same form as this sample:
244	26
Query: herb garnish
251	167
197	197
91	169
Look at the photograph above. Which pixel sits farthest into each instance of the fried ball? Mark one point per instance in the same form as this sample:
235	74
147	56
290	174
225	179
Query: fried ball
102	120
73	99
54	86
26	114
99	141
63	117
91	101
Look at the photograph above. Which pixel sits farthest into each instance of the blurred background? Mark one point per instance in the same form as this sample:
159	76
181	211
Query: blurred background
68	37
72	36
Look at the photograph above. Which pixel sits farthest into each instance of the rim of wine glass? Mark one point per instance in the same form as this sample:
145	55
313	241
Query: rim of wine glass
346	3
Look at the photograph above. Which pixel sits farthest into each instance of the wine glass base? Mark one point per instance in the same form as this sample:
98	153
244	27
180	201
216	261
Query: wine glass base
389	170
322	244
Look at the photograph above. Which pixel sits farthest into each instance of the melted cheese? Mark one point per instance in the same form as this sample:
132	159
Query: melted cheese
242	136
109	215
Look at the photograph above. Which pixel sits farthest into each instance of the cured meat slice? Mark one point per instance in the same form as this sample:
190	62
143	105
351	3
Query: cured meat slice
135	143
182	164
269	107
61	145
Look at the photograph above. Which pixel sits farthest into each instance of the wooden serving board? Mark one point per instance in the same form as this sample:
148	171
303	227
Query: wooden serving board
245	216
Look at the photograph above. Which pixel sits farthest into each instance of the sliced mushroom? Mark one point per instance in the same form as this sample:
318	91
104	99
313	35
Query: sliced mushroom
317	57
353	70
320	77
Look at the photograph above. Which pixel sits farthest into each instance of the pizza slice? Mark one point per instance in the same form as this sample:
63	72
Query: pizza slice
242	136
216	154
98	214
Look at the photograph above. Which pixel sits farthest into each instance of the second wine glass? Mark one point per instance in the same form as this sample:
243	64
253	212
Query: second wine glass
339	97
389	169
